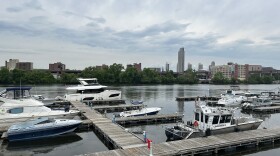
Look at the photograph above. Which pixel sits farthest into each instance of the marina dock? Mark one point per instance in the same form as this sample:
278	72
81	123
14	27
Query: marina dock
270	109
193	98
204	145
117	108
160	118
115	135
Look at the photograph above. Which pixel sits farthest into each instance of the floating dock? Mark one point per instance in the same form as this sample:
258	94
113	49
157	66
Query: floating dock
101	102
193	98
117	108
204	145
114	135
269	109
160	118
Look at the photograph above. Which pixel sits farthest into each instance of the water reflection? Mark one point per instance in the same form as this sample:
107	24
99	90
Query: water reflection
180	105
42	145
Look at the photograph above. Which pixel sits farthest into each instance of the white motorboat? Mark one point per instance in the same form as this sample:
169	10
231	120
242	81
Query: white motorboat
140	112
90	89
46	101
41	128
256	102
211	121
231	100
11	113
234	90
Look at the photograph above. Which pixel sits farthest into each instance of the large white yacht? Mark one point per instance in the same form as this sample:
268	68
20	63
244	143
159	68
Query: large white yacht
11	113
90	89
211	121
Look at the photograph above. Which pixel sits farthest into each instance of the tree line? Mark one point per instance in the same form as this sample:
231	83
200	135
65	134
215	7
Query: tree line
115	74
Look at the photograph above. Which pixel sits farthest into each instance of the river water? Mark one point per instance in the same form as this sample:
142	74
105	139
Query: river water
152	95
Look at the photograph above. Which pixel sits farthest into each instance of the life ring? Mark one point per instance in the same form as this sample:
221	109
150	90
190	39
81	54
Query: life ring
195	123
2	111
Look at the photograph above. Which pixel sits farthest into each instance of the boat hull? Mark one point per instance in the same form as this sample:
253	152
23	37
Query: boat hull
150	113
42	133
179	134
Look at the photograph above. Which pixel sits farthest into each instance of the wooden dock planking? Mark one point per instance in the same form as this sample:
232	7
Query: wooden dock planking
112	132
193	98
122	107
267	109
202	145
150	119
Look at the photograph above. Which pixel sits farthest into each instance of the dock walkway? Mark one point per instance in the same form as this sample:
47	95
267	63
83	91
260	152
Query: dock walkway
193	98
122	107
113	133
201	145
159	118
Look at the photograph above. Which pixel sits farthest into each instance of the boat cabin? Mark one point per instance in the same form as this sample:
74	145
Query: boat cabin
88	82
212	117
16	93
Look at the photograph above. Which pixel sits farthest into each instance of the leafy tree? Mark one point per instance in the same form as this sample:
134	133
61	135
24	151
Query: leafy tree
130	76
5	76
219	79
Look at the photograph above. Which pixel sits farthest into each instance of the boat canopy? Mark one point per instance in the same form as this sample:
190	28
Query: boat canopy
18	88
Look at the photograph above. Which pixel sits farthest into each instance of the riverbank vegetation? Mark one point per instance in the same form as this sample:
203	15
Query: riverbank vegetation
115	74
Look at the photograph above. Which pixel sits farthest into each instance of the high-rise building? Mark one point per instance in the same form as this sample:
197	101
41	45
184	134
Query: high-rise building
212	65
24	65
200	66
57	67
167	67
11	65
181	61
189	66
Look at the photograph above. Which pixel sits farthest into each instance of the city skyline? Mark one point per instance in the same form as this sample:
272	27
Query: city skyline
105	32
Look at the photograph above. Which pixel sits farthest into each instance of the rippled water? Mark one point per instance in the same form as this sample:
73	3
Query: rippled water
153	95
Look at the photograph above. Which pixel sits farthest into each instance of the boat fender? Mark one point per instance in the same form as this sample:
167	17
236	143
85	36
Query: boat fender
208	132
2	111
236	129
195	124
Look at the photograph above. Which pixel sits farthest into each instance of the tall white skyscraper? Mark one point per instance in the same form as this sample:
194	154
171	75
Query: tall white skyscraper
181	61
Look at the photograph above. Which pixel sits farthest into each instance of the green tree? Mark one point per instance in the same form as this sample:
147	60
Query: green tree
5	76
130	76
220	79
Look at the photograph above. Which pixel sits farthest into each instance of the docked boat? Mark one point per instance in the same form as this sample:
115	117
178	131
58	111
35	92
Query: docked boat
90	89
11	113
234	90
140	112
211	121
231	100
256	102
41	128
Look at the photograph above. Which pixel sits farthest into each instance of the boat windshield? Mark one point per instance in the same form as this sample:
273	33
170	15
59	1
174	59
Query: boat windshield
45	121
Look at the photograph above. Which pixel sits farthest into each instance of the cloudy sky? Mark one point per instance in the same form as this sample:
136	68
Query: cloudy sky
82	33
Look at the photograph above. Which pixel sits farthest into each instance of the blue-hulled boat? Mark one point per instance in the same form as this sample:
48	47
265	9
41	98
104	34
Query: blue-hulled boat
41	128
